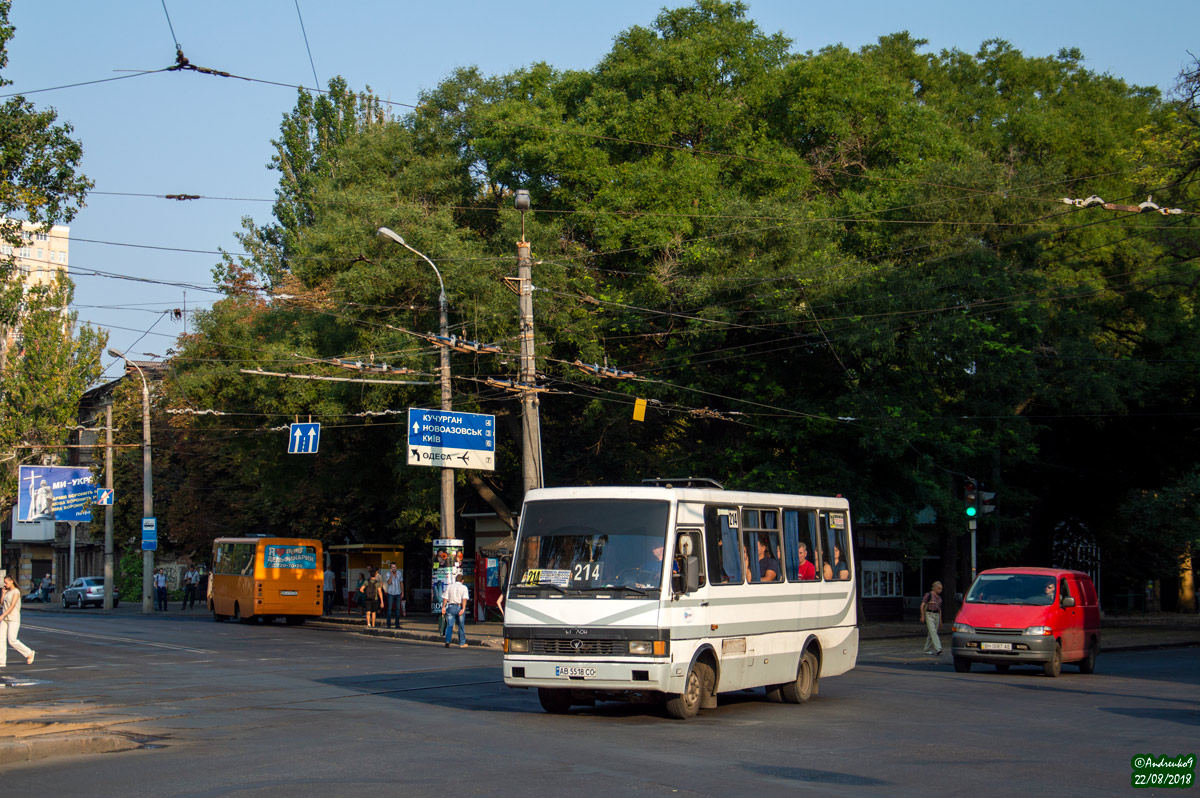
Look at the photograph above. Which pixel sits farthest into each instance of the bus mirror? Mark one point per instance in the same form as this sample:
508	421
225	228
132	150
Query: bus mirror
692	573
685	545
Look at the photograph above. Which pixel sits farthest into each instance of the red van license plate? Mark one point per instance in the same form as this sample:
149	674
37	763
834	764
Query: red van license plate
996	646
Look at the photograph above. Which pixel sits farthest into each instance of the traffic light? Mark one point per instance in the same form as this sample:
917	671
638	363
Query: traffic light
987	502
970	499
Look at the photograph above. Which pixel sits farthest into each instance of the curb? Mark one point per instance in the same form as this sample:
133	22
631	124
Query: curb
45	746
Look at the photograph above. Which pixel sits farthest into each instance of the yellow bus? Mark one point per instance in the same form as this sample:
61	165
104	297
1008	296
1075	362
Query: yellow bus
266	578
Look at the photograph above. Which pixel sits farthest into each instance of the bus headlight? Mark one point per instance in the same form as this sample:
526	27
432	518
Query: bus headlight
655	648
516	646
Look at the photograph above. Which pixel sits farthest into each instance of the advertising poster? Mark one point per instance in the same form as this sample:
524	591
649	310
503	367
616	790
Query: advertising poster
55	493
447	565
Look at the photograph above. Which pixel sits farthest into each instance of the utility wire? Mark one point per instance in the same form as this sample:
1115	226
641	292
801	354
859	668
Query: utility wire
308	49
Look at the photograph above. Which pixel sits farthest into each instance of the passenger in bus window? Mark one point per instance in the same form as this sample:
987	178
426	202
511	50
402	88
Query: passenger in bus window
768	566
808	571
840	569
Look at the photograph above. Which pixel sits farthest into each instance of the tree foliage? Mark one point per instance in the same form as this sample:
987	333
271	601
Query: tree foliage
51	361
833	272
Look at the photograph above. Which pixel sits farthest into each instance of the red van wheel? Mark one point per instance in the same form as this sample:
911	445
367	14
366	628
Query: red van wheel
1054	666
1088	663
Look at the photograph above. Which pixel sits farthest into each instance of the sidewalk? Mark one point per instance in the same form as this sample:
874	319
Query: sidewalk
1131	632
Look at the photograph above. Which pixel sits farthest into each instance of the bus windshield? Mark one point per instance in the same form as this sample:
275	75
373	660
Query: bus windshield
575	545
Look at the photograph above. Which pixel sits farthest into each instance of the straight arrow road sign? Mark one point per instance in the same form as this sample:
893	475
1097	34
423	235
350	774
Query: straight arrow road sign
304	438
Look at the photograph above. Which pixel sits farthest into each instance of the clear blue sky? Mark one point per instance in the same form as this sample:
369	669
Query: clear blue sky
176	133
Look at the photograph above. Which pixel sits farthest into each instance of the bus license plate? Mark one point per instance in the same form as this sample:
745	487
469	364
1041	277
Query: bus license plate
996	646
289	593
572	670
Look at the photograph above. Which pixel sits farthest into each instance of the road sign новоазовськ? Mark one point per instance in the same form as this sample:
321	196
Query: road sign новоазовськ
450	439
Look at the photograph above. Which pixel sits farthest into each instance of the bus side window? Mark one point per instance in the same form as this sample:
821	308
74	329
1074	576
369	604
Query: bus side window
800	551
834	564
722	547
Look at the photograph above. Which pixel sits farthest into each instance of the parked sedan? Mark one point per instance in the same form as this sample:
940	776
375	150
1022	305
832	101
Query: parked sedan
87	590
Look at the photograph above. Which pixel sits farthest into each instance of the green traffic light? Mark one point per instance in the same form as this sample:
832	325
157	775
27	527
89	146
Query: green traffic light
971	512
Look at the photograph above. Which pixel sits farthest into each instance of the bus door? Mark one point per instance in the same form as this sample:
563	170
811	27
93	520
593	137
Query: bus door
730	625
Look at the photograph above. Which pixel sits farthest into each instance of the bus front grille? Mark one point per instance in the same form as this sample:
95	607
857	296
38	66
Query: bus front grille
576	647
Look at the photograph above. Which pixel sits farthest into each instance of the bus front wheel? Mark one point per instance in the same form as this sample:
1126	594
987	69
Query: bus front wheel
553	700
799	691
686	705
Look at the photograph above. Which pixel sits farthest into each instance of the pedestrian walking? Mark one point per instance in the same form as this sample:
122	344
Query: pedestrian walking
160	590
393	586
931	616
371	595
454	607
10	623
330	589
190	578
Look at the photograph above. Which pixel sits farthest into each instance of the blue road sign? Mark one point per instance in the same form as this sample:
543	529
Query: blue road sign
304	438
104	496
451	439
149	534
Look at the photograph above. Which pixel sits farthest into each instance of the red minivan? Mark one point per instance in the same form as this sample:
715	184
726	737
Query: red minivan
1015	616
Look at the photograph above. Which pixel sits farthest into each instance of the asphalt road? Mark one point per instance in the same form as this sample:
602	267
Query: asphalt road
242	710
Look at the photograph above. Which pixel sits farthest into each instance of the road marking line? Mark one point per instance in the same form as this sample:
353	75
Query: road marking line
117	639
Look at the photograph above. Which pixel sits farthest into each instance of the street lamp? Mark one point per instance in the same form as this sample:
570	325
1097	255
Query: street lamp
147	486
447	473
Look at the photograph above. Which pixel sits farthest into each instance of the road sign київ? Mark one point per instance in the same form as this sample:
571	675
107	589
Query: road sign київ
450	439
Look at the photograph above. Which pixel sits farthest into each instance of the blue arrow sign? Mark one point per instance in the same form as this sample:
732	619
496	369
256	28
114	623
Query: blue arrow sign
451	439
304	438
104	496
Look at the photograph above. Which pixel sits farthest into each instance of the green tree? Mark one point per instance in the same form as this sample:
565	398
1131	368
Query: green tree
52	361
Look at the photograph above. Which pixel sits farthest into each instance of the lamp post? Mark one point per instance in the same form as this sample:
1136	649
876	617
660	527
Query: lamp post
147	485
447	473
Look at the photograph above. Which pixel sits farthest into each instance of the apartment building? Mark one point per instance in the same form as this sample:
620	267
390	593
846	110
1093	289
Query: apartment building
40	256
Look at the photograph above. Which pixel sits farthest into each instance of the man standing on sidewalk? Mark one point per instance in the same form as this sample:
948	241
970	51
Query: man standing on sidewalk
330	588
160	590
190	578
393	585
931	614
454	607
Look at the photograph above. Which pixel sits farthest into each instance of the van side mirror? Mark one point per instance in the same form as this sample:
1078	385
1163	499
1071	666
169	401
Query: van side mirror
1068	601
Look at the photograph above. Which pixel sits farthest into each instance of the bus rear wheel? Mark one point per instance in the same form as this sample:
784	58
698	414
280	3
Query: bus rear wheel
799	691
686	705
554	700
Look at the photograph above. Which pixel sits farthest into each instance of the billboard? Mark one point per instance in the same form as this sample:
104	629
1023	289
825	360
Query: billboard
55	493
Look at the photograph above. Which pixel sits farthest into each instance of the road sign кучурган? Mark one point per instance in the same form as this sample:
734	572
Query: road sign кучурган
450	439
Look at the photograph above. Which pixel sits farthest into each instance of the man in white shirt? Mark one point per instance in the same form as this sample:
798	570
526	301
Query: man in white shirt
393	585
190	578
160	590
454	607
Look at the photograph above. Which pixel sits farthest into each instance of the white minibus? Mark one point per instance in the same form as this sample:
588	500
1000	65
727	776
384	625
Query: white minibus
659	591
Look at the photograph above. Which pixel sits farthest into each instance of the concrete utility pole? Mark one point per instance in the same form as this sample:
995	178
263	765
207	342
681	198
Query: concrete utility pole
531	427
147	485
